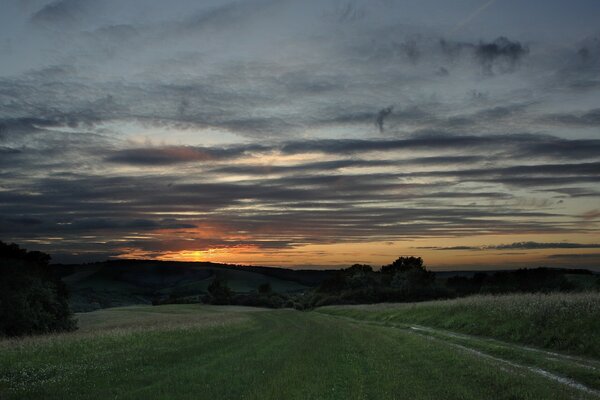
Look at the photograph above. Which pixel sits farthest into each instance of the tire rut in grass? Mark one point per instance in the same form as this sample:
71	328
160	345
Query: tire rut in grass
446	337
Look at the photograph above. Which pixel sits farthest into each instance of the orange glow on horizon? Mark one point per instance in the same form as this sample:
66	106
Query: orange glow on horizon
379	253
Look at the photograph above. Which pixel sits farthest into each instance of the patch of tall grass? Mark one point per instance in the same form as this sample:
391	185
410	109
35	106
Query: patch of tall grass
560	321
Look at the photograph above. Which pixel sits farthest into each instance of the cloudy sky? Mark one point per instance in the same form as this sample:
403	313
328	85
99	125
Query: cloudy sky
302	133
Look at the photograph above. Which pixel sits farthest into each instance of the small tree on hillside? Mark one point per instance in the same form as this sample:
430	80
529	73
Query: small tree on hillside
264	288
219	291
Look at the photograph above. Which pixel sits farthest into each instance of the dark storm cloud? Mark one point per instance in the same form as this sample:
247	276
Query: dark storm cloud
382	115
465	168
111	224
575	171
501	53
63	12
582	69
24	220
172	155
499	56
576	256
536	245
523	246
19	126
590	118
520	146
222	15
6	151
574	192
306	205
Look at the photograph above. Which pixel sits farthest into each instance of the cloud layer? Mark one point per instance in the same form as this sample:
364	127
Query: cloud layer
132	128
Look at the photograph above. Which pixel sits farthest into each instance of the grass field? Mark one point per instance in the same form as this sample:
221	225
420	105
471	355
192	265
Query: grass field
566	322
213	352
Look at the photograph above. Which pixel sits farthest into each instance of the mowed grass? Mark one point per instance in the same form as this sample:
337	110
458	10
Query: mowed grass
567	322
203	352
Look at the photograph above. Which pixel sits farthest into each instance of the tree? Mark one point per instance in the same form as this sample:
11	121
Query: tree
32	299
264	288
409	277
359	276
219	291
333	284
358	268
403	264
413	280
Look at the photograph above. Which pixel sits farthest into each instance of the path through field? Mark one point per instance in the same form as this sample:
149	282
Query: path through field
200	352
577	372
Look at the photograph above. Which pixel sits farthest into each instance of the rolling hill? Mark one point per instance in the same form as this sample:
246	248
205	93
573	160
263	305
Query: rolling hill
119	283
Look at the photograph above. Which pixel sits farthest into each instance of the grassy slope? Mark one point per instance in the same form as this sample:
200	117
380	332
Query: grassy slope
95	287
566	322
201	352
165	278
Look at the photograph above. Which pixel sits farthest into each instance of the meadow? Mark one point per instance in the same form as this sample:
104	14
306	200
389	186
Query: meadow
559	321
222	352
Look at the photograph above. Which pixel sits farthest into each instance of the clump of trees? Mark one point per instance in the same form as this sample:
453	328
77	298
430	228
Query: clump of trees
406	279
33	299
518	281
219	293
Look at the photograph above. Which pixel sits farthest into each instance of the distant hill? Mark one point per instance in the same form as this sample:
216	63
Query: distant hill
125	282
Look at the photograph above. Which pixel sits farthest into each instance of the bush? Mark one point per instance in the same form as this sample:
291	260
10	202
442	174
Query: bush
544	280
32	299
219	292
264	288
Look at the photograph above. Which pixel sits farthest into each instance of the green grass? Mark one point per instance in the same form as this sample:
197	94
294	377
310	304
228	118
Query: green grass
565	322
212	352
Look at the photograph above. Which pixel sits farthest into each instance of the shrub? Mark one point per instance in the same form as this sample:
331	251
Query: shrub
264	288
219	292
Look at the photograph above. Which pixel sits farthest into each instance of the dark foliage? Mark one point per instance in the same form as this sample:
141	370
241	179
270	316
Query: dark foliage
33	300
403	264
270	300
264	288
406	279
521	280
219	292
267	300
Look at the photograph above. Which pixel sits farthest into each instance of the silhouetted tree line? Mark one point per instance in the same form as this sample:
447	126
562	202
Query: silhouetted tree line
405	280
32	298
522	280
219	293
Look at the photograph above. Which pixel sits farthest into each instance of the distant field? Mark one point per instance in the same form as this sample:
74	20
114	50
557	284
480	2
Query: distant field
214	352
112	285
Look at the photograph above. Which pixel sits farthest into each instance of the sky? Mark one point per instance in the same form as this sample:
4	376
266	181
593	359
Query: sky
302	134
